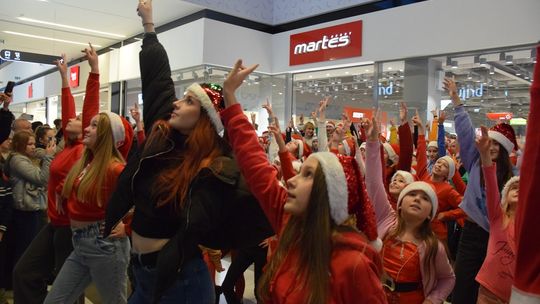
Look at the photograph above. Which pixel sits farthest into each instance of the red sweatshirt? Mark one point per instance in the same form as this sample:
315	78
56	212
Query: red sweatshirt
448	197
527	274
65	159
354	267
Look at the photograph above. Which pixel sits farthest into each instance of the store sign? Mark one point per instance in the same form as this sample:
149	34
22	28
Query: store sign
12	55
331	43
386	91
467	92
500	116
74	76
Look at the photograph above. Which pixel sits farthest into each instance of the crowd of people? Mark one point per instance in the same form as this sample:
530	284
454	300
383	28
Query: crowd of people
327	211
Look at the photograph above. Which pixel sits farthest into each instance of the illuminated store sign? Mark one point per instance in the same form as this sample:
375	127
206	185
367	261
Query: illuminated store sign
331	43
467	92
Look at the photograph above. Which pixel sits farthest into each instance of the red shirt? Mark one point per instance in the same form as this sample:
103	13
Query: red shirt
91	211
64	161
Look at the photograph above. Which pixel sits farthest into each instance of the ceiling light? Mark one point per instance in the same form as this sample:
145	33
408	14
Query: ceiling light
327	74
448	61
454	64
518	72
70	27
389	68
50	38
509	59
533	55
310	76
469	76
347	72
491	70
527	76
483	62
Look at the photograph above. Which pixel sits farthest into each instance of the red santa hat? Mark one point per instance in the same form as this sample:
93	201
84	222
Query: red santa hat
504	134
347	194
211	98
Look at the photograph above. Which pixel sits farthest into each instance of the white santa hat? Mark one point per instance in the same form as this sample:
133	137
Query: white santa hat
451	166
427	189
506	188
408	177
390	151
117	127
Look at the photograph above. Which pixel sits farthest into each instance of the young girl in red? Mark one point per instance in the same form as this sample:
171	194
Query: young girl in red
333	263
415	262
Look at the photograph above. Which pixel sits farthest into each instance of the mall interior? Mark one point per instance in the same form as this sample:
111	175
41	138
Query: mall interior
362	54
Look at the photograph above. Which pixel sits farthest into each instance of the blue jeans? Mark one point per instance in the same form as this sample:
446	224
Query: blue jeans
193	285
94	259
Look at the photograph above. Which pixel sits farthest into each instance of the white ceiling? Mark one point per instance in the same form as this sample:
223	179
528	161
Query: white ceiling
118	17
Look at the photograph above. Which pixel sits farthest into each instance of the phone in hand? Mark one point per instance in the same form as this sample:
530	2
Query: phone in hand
9	87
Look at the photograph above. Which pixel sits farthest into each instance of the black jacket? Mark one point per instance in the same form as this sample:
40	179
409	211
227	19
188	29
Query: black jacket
219	211
6	197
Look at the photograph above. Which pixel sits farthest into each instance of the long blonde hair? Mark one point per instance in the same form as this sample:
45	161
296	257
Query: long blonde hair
96	163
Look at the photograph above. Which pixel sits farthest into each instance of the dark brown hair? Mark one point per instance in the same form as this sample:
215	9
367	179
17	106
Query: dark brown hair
311	236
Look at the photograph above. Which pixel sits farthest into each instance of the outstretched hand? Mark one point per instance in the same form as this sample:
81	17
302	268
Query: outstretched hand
144	10
268	107
483	144
135	112
373	126
403	112
92	57
418	122
234	80
451	87
61	64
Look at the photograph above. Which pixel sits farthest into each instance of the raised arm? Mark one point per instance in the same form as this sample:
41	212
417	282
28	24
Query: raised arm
261	177
493	197
405	140
385	215
441	135
321	125
464	127
284	155
91	98
68	103
421	153
157	84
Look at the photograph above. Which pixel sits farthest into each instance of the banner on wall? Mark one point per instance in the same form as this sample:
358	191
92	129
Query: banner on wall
330	43
74	72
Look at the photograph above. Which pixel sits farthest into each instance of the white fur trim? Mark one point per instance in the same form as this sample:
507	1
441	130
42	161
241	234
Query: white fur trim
503	140
207	104
504	193
336	185
346	147
408	177
377	244
300	148
521	297
451	166
422	186
117	127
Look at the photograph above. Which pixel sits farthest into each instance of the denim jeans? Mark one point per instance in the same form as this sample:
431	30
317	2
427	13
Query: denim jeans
193	285
94	259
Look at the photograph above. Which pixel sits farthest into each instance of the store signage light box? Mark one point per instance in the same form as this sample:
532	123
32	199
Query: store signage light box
74	76
330	43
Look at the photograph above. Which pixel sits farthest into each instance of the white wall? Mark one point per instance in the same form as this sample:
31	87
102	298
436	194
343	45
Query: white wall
429	28
22	70
225	43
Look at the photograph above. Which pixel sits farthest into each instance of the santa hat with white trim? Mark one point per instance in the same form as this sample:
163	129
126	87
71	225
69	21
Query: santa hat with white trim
504	134
451	166
211	98
347	194
428	189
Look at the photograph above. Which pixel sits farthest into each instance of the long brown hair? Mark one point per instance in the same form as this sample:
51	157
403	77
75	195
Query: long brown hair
202	146
311	236
98	160
426	234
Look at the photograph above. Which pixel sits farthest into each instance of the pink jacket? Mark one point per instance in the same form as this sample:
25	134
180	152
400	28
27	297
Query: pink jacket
436	286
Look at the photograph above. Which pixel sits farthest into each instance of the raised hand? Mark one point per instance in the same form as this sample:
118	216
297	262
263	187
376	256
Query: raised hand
234	80
373	128
268	107
92	57
392	123
61	64
346	121
135	112
418	122
483	144
6	99
323	104
144	10
450	86
434	112
274	129
442	117
403	112
51	148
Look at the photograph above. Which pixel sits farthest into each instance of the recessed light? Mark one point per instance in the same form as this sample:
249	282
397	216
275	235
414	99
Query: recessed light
327	74
310	76
389	68
347	72
70	27
49	38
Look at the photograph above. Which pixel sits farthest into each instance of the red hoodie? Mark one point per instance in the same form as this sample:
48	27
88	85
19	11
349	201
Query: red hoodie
354	265
72	152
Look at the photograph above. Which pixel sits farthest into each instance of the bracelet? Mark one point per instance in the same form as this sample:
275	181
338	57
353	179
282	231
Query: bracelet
145	23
